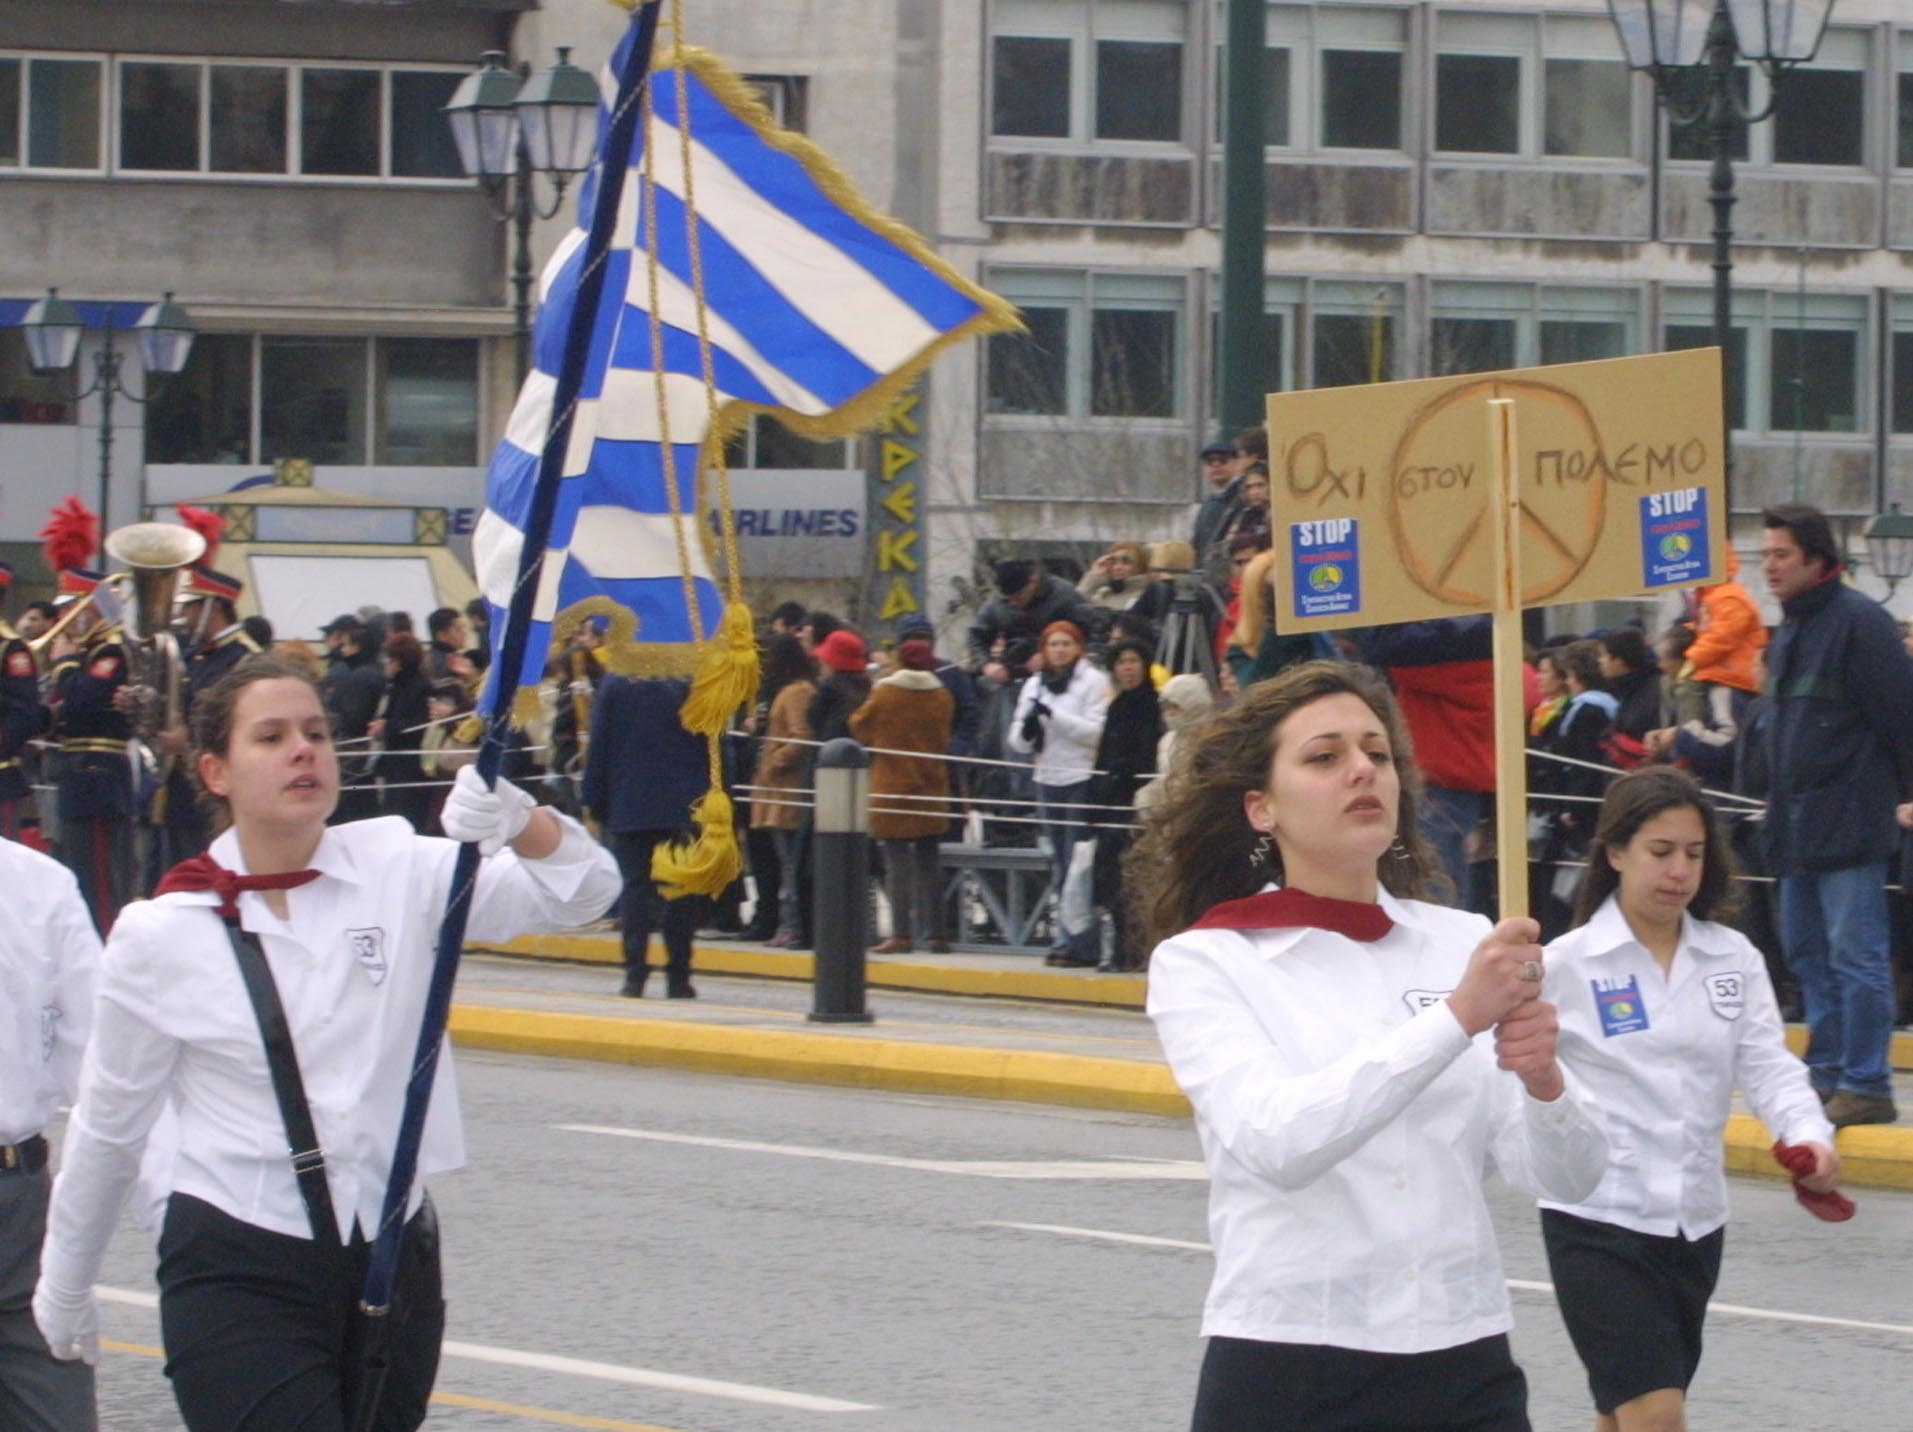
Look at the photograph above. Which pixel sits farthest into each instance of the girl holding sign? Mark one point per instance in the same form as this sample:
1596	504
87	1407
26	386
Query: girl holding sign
1663	1014
1332	1031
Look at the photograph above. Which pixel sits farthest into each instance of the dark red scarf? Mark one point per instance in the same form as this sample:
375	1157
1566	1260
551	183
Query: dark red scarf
1298	910
202	872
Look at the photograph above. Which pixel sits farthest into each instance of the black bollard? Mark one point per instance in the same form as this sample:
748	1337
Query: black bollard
840	882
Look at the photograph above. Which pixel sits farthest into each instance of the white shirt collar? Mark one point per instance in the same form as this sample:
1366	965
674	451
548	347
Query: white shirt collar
1608	932
333	857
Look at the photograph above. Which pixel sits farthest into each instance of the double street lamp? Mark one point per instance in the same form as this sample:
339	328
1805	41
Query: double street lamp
1689	44
53	329
511	125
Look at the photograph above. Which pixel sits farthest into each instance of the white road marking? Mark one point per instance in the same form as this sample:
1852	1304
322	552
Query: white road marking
1155	1169
1519	1285
602	1371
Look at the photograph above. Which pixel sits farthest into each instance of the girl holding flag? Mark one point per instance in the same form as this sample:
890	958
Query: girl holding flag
1333	1031
271	992
1664	1013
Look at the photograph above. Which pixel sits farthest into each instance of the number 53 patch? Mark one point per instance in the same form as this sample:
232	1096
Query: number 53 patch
1727	994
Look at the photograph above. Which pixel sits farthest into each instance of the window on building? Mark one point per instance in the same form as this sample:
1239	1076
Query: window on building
1815	367
1353	332
1905	149
27	396
1132	363
1903	371
1281	311
1478	104
1276	96
422	146
1471	345
1099	346
1589	111
63	114
787	97
1820	117
1028	371
1687	95
1481	327
1552	86
1580	340
767	443
427	402
10	96
339	122
159	116
312	399
204	414
247	119
1082	71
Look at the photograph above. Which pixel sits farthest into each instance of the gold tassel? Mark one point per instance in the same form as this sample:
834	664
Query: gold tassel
726	674
706	865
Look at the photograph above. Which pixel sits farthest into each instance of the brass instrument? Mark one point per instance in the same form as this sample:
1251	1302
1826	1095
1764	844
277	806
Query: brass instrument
154	553
106	597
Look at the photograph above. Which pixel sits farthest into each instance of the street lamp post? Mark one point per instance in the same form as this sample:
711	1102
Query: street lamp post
53	328
1703	40
511	126
1889	539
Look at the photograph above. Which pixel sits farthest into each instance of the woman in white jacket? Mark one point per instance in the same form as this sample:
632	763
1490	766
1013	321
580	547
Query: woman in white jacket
1058	721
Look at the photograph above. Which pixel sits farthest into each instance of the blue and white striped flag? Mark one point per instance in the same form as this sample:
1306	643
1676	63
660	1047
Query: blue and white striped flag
816	307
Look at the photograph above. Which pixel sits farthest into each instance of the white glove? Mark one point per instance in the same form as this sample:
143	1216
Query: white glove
494	818
70	1323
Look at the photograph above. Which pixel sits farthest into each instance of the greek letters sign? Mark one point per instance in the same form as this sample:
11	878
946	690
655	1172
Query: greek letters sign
1617	468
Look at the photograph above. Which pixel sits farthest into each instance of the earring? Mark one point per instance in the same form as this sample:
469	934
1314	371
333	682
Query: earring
1396	850
1259	856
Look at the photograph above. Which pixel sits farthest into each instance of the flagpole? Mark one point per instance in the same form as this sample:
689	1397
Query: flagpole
615	152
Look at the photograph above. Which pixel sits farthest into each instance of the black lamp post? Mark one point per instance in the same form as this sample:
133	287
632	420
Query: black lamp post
53	328
1889	538
1702	40
511	125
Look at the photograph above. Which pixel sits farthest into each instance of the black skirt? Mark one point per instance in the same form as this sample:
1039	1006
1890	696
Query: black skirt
1633	1302
1249	1386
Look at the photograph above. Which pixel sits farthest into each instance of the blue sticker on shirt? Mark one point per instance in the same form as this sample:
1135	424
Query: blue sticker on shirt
1325	556
1621	1007
1674	540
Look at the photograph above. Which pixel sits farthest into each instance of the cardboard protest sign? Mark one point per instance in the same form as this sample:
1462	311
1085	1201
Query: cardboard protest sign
1380	495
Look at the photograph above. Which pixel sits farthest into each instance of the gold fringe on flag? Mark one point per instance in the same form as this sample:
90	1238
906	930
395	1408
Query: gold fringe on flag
726	674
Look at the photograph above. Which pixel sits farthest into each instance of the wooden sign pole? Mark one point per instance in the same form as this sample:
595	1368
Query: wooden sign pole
1510	723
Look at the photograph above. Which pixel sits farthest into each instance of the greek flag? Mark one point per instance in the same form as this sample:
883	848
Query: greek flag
816	308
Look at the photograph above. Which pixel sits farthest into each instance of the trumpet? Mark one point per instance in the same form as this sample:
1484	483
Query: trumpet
106	598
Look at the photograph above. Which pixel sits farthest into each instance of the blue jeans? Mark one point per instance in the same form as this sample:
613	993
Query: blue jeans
1833	926
1061	806
1448	818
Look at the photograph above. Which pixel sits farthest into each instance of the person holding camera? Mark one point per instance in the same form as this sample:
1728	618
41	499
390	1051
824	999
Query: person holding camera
1115	580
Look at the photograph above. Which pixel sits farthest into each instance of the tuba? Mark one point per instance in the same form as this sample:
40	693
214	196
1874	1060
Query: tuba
155	553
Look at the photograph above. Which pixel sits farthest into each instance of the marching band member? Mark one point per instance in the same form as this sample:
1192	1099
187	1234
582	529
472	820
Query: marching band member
332	929
1663	1015
1333	1032
95	783
22	717
49	953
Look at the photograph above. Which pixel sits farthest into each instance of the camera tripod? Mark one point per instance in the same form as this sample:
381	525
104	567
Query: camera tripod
1185	644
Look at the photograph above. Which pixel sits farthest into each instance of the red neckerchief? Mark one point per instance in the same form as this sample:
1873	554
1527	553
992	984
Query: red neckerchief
1797	1159
1297	909
202	872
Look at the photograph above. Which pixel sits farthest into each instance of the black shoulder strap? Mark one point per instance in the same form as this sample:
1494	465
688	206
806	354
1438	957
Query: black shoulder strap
302	1142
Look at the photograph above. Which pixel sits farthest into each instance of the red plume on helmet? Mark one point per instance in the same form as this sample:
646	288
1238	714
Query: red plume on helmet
209	525
71	536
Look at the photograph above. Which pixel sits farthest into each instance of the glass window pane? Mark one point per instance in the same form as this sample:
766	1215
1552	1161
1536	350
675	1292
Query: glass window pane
428	402
1695	335
422	145
1274	336
1132	356
1906	121
1580	340
63	114
1353	348
248	119
1471	345
1590	109
1138	89
1818	118
9	111
1028	371
1275	97
1687	94
1815	384
1478	103
312	399
778	446
1030	90
1903	382
1361	99
339	122
205	414
27	396
159	116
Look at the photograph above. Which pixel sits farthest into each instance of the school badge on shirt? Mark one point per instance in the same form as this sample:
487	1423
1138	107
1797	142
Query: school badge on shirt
1419	999
1621	1007
368	947
1727	994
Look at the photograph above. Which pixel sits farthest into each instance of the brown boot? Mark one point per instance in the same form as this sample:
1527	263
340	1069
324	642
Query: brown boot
1847	1108
895	945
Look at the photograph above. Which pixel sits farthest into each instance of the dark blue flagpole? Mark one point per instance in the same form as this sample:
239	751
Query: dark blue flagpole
616	154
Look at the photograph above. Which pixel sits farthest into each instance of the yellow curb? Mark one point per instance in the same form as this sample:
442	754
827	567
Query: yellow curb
1030	1076
1871	1155
1114	991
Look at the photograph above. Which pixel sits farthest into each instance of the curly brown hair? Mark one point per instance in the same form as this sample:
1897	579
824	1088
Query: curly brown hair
1195	851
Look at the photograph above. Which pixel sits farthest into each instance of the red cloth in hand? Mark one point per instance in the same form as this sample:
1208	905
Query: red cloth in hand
202	872
1298	910
1797	1159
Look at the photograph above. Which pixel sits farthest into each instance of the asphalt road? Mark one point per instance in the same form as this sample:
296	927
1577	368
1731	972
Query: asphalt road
825	1259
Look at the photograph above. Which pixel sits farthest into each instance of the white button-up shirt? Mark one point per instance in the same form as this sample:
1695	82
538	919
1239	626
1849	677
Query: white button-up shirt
49	954
352	965
1660	1056
1348	1123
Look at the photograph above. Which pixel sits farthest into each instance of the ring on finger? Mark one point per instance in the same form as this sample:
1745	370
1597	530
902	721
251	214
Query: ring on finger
1531	970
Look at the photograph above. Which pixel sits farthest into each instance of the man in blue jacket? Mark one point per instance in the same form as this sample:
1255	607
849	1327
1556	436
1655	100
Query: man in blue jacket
1839	755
